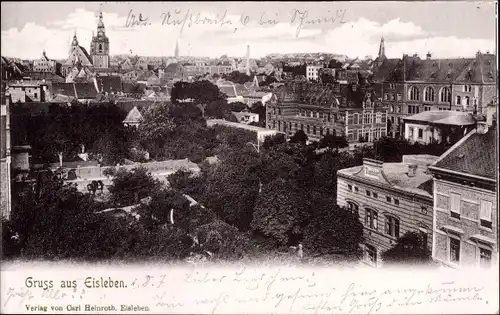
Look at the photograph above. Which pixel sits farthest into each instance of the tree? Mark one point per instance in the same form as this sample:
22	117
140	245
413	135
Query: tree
333	141
128	187
281	211
232	188
334	64
411	248
333	229
158	211
273	140
156	126
237	77
201	93
299	137
238	106
223	240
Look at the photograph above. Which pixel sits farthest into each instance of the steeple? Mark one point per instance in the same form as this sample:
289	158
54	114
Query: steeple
100	26
75	40
177	49
247	66
381	50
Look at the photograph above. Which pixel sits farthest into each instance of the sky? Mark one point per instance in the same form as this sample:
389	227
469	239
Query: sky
445	29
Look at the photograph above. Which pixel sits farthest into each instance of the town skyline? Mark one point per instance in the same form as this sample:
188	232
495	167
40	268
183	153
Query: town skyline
346	29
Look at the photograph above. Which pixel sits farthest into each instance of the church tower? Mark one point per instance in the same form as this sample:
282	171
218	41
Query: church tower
176	52
381	49
99	47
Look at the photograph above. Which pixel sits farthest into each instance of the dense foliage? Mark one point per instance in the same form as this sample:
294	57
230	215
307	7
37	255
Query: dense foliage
411	248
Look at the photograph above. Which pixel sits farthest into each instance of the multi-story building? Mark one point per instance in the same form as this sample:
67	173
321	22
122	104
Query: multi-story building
465	202
194	70
318	110
390	199
5	158
45	64
28	91
411	85
445	127
312	72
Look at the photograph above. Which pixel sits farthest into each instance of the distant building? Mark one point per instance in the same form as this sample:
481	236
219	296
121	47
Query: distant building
466	204
45	64
411	85
28	91
134	118
312	72
390	200
246	117
99	46
438	126
78	56
319	110
261	133
5	156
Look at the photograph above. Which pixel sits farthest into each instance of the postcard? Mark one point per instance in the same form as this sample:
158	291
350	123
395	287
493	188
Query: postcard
249	157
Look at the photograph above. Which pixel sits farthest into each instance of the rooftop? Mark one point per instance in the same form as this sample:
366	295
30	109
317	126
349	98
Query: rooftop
212	122
397	174
474	154
444	117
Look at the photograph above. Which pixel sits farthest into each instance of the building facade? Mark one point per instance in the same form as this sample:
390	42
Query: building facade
319	110
445	127
45	64
465	202
28	91
5	158
411	85
312	72
390	200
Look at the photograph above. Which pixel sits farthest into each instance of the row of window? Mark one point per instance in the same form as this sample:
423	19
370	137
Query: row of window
284	126
357	134
366	118
373	194
313	114
454	253
429	93
411	133
391	227
485	210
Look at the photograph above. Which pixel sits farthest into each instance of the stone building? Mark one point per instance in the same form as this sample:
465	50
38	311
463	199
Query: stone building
99	46
45	64
317	109
411	85
465	201
390	199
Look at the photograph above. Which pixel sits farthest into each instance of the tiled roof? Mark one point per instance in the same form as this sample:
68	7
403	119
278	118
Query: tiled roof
444	118
387	66
134	116
63	89
474	155
144	76
47	76
110	84
85	90
481	69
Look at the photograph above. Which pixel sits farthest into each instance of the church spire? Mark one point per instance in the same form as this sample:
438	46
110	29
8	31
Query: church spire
75	40
177	49
381	50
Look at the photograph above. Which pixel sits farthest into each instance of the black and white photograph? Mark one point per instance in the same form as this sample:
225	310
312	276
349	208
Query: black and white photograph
249	157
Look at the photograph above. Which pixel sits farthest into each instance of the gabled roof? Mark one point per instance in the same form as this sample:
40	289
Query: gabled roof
85	90
144	76
383	71
481	69
47	76
110	84
133	116
474	155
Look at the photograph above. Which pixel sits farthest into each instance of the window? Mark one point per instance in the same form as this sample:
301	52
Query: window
423	209
371	219
353	207
388	199
429	94
371	253
467	88
314	129
455	205
410	131
484	257
459	100
400	97
375	195
349	187
413	94
386	96
368	193
454	250
420	133
356	189
485	213
308	129
466	100
396	202
445	95
392	226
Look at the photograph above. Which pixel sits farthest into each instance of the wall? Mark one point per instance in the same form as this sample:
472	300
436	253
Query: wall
428	133
468	222
409	211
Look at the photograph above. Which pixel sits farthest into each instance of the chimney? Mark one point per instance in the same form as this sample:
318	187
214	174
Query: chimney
412	170
429	56
482	127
